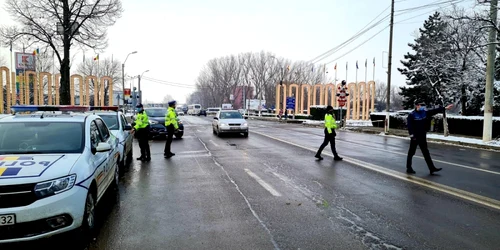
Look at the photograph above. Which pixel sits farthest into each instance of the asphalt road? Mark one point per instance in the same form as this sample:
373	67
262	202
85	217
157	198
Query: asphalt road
270	193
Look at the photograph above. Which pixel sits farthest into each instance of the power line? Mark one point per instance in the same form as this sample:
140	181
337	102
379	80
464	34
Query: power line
354	37
363	31
370	38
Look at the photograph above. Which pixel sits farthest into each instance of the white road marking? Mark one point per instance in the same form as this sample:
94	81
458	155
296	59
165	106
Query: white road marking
214	143
483	200
263	183
421	157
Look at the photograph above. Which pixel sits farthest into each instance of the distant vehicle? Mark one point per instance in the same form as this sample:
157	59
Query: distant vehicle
194	109
203	112
157	123
179	110
227	106
213	111
229	121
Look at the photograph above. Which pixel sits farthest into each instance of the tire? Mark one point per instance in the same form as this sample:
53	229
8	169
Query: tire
89	215
213	131
130	156
245	135
179	136
116	178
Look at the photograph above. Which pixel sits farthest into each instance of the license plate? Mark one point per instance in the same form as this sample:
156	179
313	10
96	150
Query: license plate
7	219
234	128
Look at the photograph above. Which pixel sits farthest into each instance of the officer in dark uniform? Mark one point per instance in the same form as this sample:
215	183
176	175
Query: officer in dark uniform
141	128
418	123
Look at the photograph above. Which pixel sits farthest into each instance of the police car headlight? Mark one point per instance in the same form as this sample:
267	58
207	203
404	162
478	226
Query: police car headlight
244	124
223	124
49	188
153	122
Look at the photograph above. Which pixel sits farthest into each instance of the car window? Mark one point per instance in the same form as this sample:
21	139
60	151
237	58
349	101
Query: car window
95	136
102	129
230	115
124	121
41	137
156	112
111	121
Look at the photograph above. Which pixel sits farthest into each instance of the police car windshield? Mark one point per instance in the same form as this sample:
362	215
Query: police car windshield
111	121
41	137
156	112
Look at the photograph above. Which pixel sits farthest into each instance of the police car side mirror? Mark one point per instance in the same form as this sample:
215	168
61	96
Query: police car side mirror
128	127
215	118
103	147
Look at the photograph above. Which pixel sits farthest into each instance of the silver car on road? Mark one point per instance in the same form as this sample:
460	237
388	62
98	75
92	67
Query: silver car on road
229	121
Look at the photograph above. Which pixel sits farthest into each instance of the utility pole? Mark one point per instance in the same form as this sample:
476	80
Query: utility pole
123	88
490	74
389	70
139	86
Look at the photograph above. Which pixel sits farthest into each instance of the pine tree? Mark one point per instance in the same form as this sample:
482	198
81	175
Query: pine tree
431	70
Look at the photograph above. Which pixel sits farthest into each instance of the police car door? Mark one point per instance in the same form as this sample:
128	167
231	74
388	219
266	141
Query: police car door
111	155
99	159
128	136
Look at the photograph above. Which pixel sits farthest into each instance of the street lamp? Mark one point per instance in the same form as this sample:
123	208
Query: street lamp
123	76
139	85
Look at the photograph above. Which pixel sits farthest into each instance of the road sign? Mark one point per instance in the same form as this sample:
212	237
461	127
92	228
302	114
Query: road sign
342	102
290	102
126	93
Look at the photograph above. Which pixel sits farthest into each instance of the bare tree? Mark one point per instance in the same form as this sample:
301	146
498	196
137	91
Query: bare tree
106	67
60	24
467	40
167	99
3	61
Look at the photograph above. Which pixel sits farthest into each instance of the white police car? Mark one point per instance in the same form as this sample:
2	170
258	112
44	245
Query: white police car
55	165
120	128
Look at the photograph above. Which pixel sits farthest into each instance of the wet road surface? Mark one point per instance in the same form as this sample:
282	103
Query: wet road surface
262	193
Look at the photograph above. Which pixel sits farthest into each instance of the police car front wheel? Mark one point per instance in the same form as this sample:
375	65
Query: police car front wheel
89	215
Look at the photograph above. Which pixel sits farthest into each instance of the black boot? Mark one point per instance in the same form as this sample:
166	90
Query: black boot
319	157
433	170
337	158
410	171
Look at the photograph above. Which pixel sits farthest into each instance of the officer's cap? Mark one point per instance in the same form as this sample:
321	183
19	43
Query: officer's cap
419	102
328	108
170	103
139	105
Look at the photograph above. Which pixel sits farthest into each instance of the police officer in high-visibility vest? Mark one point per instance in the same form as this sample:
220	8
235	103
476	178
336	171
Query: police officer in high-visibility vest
141	129
172	127
330	126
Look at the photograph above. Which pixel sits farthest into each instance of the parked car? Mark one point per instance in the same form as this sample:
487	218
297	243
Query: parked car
229	121
120	128
203	112
57	164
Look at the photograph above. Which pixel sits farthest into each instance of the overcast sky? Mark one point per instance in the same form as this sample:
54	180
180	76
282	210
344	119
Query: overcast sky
175	39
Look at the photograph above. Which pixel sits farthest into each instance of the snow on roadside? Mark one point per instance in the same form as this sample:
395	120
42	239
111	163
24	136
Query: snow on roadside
349	123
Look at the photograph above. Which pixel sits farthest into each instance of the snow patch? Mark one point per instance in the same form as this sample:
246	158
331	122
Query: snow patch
495	143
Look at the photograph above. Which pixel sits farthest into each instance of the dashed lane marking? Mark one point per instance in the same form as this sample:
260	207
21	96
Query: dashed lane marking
263	183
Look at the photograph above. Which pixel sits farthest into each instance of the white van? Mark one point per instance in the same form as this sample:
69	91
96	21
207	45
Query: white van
213	111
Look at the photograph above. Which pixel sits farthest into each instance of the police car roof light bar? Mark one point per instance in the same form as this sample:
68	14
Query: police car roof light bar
35	108
104	108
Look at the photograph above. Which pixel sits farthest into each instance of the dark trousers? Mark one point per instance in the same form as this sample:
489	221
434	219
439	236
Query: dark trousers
142	136
422	143
329	138
170	138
